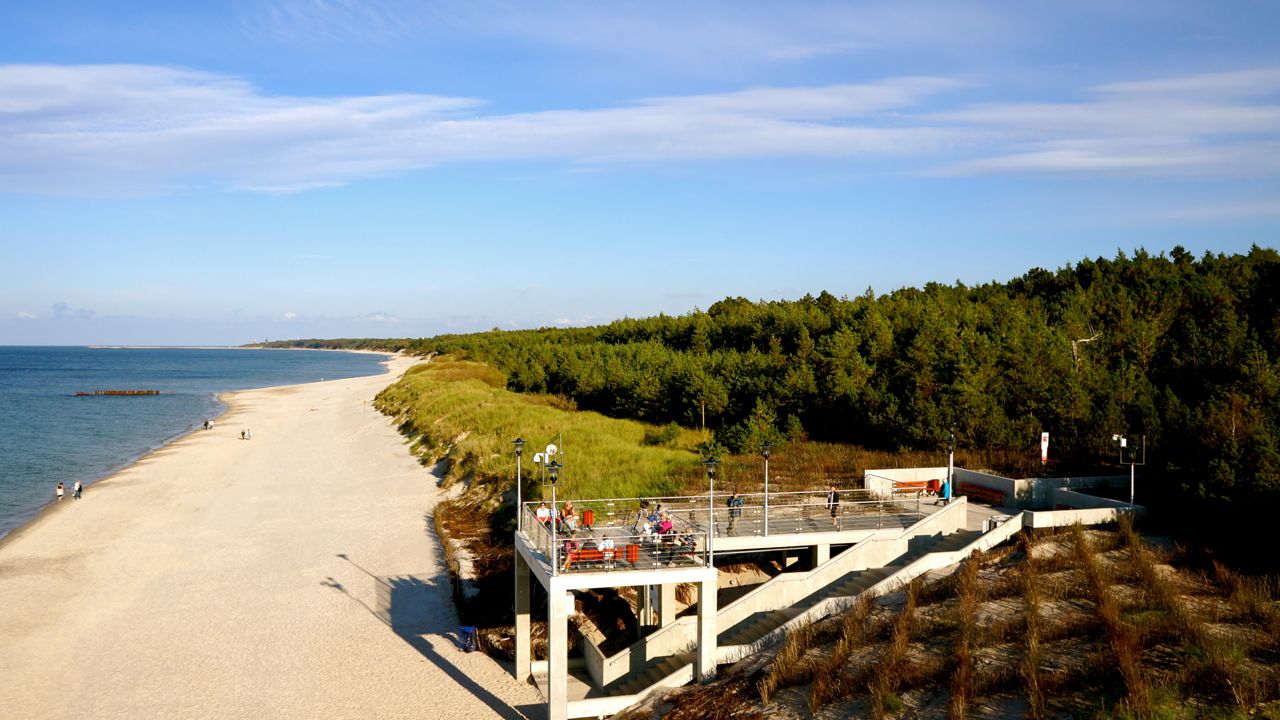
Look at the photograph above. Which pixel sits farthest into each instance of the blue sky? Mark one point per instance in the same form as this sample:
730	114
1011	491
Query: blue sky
218	173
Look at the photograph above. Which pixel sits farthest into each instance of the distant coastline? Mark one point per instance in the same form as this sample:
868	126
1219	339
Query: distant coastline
23	508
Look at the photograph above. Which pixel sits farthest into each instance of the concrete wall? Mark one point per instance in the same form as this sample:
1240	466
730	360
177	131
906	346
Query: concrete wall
1017	493
1063	518
1081	501
880	482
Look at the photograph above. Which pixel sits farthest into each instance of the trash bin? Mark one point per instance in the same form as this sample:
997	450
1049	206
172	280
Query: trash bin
468	633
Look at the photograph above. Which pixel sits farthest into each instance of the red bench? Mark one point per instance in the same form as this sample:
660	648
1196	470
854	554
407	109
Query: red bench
589	556
929	487
982	492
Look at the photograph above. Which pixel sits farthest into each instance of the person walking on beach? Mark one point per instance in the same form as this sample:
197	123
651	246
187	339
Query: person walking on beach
833	504
58	491
248	434
76	490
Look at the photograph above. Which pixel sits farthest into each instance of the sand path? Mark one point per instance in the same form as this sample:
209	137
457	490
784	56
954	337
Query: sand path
294	575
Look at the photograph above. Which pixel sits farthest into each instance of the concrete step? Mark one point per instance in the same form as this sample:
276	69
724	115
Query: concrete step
655	671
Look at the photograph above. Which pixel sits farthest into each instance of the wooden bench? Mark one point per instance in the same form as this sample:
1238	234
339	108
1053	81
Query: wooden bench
929	487
584	556
981	492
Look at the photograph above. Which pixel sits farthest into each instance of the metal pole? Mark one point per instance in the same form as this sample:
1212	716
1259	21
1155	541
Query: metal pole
1131	474
711	520
766	495
519	504
555	549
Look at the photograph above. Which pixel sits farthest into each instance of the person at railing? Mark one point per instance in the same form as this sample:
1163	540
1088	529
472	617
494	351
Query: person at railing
665	526
684	544
647	533
642	516
568	517
606	549
833	504
735	503
570	551
543	513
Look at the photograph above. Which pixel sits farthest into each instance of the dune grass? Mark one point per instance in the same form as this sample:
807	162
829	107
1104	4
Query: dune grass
458	412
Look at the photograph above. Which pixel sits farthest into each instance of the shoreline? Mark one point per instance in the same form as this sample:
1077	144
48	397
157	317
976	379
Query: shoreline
221	398
294	575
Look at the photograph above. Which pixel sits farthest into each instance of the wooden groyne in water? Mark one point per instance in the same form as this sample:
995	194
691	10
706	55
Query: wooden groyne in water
117	392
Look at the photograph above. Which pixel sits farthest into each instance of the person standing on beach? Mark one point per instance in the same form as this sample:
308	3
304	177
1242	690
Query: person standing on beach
76	490
58	490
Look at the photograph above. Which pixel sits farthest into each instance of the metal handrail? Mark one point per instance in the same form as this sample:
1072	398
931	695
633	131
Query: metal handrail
690	513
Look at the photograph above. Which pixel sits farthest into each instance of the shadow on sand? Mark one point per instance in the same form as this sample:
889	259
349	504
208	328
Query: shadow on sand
415	608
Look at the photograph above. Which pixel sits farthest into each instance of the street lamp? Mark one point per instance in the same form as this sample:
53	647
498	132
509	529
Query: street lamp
519	443
711	464
764	450
553	469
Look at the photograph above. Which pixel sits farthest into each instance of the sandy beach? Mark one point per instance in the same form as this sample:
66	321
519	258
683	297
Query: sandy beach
293	575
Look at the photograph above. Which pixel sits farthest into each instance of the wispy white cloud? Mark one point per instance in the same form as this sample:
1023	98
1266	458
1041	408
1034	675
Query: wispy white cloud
23	315
117	129
1208	123
113	129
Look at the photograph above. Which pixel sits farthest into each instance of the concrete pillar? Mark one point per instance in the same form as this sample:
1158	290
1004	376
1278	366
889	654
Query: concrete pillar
524	639
704	664
557	653
644	605
666	604
821	554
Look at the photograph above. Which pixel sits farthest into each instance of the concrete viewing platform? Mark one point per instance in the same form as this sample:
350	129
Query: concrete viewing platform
616	543
872	542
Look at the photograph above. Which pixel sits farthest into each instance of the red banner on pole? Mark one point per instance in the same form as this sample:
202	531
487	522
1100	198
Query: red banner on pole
1044	448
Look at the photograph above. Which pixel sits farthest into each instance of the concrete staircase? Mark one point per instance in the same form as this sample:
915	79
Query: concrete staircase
655	672
761	617
760	624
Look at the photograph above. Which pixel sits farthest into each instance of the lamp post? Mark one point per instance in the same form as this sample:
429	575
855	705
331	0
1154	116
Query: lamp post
951	464
764	450
553	471
711	464
519	443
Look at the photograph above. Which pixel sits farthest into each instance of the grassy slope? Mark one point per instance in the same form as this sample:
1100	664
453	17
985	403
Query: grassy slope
459	412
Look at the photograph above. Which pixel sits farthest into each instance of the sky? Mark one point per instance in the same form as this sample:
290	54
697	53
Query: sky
181	173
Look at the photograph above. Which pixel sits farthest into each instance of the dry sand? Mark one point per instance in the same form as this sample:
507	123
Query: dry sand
294	575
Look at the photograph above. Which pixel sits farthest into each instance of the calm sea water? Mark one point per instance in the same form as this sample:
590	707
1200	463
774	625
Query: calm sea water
48	435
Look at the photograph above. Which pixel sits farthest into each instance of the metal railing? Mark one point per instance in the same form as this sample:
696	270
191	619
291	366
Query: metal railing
567	549
624	522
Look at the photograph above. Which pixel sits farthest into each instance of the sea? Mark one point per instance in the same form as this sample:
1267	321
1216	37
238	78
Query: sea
49	435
